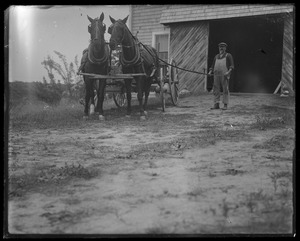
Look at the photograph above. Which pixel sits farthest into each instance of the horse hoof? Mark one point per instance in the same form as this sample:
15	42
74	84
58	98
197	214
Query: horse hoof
143	118
101	117
127	116
92	109
85	117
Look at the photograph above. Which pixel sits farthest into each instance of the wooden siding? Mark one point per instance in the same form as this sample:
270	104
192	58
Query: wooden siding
185	27
189	48
184	13
288	53
145	19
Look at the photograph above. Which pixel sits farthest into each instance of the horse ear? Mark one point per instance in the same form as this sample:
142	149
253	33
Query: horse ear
101	17
89	18
112	19
125	19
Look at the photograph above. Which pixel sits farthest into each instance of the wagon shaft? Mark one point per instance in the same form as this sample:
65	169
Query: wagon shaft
116	76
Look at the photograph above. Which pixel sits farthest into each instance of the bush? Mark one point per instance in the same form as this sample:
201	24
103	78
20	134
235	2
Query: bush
49	93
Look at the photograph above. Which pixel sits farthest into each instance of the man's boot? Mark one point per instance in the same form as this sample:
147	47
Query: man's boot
225	107
216	106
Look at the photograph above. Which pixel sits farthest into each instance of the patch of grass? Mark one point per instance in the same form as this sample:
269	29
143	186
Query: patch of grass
208	125
202	139
266	214
37	177
40	115
233	172
278	143
267	122
274	117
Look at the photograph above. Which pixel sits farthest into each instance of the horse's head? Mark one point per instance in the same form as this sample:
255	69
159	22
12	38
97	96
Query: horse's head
97	29
117	31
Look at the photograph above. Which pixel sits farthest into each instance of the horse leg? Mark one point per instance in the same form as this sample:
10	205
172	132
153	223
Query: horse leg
147	85
128	95
92	95
140	92
88	83
101	93
95	96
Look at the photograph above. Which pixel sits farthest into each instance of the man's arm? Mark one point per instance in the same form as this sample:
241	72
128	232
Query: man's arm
212	66
230	65
230	62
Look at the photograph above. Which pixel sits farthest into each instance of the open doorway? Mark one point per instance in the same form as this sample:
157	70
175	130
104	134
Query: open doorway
256	46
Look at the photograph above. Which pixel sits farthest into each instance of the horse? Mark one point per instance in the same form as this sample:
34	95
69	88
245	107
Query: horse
97	63
134	59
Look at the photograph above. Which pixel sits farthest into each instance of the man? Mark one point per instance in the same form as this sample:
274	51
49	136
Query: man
221	68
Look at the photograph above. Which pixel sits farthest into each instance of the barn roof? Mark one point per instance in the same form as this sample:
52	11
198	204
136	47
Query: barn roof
185	13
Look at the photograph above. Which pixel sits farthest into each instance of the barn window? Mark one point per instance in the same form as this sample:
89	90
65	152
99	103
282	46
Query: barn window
160	42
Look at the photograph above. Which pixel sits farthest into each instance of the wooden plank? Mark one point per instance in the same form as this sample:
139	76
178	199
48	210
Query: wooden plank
279	85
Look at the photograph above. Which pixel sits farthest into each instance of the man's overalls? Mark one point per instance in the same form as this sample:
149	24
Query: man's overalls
219	79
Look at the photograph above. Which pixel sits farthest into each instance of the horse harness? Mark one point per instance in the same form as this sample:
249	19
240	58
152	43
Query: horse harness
138	59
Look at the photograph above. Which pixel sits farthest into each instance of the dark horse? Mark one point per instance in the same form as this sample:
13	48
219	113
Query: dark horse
134	59
96	63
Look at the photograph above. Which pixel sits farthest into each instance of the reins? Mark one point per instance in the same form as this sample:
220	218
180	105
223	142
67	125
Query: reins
175	66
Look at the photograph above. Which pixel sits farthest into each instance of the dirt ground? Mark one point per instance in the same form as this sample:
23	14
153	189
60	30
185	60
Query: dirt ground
189	170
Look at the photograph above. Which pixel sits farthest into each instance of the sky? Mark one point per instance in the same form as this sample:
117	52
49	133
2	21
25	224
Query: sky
35	33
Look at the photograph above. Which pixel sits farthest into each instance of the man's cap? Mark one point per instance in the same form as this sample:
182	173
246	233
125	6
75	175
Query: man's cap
222	44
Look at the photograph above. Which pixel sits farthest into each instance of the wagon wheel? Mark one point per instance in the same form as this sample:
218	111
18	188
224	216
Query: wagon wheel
173	82
96	88
162	94
96	100
119	99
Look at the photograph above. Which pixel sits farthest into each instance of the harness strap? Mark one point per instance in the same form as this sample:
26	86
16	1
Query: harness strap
94	60
134	61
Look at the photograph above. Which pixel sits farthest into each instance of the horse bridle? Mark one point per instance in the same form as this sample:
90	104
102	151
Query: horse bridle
123	35
91	58
90	26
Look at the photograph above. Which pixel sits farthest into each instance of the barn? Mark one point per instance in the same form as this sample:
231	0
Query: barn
260	37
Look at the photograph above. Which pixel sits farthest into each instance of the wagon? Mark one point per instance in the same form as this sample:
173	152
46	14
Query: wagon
166	84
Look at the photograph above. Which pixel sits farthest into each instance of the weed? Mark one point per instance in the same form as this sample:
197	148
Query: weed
232	171
156	230
196	191
225	208
77	171
273	216
265	122
278	142
211	173
277	175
